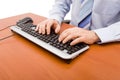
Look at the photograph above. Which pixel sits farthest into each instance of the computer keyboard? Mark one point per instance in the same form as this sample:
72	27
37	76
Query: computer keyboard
26	28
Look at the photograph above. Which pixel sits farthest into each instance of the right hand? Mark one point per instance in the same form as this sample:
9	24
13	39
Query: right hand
45	26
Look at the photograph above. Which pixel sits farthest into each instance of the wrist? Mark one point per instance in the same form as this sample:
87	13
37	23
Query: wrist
96	38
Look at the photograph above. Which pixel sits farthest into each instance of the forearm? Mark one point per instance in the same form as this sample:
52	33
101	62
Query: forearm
60	9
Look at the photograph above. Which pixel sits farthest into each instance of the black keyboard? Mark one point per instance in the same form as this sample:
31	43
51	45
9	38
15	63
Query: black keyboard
26	28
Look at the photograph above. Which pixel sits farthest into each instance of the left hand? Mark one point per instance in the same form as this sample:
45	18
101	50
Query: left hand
78	35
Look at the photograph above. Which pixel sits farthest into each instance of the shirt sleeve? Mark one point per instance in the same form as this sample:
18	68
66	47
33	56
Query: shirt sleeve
109	34
60	9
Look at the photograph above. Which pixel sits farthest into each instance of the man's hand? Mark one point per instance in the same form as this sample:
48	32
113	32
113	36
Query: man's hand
78	35
45	26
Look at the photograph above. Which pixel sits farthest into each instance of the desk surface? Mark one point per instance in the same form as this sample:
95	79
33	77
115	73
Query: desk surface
23	60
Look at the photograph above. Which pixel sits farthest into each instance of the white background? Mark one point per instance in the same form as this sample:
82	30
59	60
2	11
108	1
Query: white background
15	7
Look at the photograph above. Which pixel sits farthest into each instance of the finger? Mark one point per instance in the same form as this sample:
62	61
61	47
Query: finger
37	27
69	37
57	28
63	35
77	40
43	28
48	27
39	30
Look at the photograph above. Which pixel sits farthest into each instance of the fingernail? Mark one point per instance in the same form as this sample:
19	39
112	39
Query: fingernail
56	31
63	42
59	40
40	32
35	30
71	44
48	33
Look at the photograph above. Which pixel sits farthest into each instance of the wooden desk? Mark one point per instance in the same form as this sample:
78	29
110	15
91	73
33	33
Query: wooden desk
23	60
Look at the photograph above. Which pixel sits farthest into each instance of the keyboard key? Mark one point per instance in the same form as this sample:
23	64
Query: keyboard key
52	40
